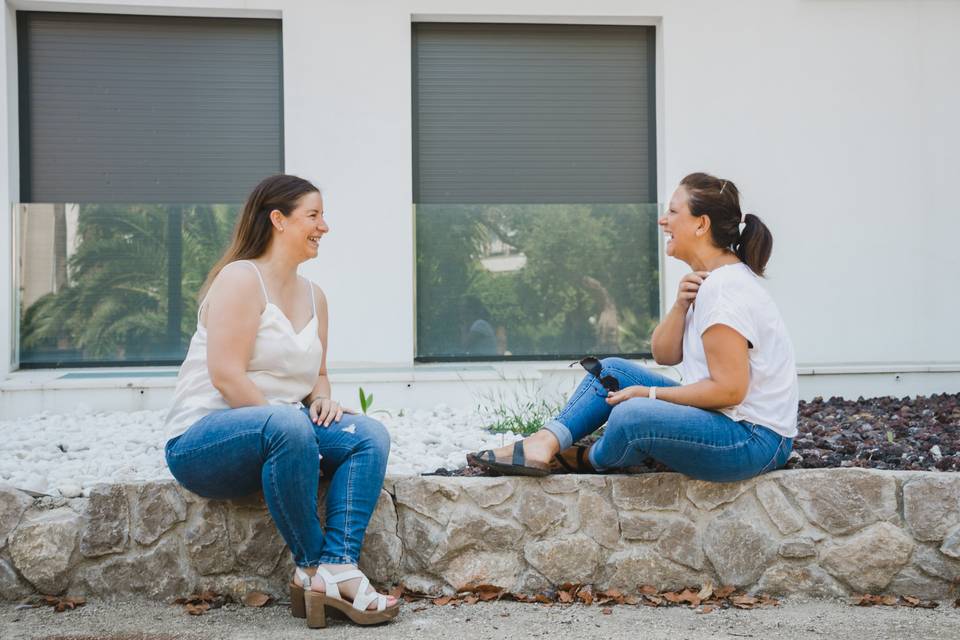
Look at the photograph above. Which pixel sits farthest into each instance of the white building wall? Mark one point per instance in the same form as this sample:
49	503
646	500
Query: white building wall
836	119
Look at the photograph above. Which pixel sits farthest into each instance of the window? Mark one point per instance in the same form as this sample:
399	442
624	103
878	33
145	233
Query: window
139	136
534	190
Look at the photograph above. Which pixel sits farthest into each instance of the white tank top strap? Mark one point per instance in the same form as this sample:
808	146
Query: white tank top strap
263	286
313	297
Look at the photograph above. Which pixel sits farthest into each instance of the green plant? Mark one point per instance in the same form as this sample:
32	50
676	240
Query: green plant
523	410
890	437
366	401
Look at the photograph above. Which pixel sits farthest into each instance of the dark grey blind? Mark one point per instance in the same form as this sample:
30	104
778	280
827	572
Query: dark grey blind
533	114
147	109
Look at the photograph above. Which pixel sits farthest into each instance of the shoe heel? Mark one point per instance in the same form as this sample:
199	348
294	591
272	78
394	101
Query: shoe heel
315	610
298	607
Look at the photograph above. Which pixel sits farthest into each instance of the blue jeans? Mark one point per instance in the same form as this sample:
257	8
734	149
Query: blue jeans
702	444
236	452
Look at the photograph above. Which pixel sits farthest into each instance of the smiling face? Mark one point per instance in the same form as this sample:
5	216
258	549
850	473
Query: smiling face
303	228
682	230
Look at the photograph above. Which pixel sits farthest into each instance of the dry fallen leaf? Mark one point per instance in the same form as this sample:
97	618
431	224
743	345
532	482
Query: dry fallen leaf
255	599
724	592
606	611
443	600
706	609
647	590
705	592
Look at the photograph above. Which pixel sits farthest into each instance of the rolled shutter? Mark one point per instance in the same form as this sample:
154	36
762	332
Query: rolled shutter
147	109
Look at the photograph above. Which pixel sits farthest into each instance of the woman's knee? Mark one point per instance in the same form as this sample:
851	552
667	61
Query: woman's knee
289	425
615	363
372	434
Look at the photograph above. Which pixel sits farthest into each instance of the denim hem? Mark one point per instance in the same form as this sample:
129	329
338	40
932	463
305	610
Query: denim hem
337	560
562	433
593	462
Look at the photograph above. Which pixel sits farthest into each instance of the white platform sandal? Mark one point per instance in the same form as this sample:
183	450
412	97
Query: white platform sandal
309	604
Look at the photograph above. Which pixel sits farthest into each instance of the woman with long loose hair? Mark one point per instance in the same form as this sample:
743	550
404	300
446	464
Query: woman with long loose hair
252	408
735	414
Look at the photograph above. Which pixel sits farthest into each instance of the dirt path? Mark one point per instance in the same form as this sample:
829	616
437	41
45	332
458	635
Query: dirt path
140	620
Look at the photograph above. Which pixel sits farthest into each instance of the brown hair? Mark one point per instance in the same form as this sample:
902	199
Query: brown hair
720	201
251	236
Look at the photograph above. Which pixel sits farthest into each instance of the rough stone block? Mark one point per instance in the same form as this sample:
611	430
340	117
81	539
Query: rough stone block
598	519
538	511
710	495
257	545
809	580
475	529
932	562
783	514
951	543
910	582
155	573
842	501
12	505
430	497
645	526
474	567
207	541
681	543
382	548
421	536
42	548
571	559
797	548
868	560
572	483
159	506
644	566
656	491
738	544
12	586
931	506
109	519
488	492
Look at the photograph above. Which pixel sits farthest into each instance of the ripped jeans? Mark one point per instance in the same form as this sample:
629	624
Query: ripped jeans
702	444
236	452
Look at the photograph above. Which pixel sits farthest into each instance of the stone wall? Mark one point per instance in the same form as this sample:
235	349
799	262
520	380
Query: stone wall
821	533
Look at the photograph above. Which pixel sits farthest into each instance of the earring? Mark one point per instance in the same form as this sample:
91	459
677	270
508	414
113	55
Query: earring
281	229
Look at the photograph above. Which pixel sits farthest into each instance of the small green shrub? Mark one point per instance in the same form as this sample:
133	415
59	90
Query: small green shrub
523	410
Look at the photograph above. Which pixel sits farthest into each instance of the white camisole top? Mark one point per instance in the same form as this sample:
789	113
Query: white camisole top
284	365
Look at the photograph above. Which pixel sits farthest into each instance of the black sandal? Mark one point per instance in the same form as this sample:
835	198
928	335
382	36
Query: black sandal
583	463
517	466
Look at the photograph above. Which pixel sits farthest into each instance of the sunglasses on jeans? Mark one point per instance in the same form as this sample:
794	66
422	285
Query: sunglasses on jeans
594	368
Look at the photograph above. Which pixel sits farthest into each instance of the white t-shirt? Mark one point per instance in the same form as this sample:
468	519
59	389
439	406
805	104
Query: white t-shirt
732	295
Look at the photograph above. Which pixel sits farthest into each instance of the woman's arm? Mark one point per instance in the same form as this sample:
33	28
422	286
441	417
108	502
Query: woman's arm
667	340
323	409
232	317
729	364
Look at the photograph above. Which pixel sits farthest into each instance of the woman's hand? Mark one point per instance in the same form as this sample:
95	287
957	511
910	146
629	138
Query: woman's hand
326	411
689	286
616	397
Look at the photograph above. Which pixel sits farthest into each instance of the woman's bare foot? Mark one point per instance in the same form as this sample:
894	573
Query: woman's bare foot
348	589
540	447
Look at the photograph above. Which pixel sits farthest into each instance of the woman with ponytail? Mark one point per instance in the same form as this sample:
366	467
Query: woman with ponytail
735	414
252	410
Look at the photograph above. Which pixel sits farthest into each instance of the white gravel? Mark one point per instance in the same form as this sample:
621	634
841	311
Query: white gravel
67	454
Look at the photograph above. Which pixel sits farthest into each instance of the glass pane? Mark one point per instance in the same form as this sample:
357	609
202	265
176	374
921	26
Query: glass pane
536	281
113	284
